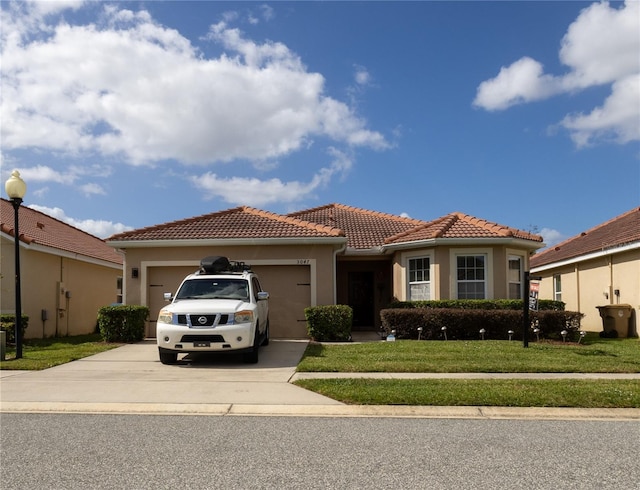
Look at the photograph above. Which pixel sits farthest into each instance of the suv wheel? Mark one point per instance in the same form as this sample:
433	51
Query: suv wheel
251	357
168	357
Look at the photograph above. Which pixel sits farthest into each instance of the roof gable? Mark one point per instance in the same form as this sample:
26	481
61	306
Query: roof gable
460	226
42	229
364	229
618	231
237	223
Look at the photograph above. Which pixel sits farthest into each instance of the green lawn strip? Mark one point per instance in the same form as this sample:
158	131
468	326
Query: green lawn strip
508	393
41	354
595	355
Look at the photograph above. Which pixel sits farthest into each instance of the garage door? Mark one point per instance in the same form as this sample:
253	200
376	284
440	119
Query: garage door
289	288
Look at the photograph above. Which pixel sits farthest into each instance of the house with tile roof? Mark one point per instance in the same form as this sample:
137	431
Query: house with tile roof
333	254
598	267
66	274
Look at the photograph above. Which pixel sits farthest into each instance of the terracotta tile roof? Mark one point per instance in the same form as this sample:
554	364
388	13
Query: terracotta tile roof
237	223
460	225
41	229
364	229
619	231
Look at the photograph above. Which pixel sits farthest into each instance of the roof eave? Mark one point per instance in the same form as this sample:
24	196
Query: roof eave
219	242
466	242
586	257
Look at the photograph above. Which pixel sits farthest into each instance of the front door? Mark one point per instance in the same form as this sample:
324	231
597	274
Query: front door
361	299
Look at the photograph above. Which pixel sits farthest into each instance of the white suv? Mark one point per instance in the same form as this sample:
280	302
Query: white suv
219	308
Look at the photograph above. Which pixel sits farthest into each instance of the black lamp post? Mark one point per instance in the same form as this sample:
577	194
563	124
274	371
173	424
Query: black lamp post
16	189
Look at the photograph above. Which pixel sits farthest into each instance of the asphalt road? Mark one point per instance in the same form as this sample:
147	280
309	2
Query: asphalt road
77	451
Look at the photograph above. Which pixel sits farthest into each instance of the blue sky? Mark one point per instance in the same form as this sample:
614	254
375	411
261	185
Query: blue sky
122	115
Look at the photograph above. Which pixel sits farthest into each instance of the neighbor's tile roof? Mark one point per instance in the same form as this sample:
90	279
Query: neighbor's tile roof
41	229
241	222
616	232
364	229
460	225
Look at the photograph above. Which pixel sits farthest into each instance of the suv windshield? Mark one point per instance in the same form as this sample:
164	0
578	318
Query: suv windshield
214	288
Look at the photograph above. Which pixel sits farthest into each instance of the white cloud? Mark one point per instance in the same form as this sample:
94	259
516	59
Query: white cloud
601	47
551	237
99	228
362	75
256	192
128	86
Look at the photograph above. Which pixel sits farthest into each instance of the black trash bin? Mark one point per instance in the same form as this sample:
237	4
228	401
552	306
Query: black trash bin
615	320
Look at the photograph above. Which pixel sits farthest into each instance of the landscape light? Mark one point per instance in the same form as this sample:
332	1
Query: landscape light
482	332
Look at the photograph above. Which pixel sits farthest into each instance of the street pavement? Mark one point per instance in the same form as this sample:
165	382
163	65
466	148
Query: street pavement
131	379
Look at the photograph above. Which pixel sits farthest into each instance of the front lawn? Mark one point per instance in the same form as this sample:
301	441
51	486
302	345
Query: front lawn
38	354
595	355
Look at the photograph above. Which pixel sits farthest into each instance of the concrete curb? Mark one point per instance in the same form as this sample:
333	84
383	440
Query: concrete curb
403	411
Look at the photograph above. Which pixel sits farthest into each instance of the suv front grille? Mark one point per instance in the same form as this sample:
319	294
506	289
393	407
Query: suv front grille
203	321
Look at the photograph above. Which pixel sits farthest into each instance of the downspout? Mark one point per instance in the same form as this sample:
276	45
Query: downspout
577	271
335	271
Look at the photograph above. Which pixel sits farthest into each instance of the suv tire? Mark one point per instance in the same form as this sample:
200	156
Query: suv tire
168	357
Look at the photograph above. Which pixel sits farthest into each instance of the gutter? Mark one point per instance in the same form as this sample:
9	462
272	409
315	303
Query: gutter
464	242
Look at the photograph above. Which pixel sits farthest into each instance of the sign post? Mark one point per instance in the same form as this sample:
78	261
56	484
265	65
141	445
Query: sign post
531	303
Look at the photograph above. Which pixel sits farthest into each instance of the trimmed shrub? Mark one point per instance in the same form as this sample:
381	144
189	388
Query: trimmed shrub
122	323
465	324
329	323
479	304
8	324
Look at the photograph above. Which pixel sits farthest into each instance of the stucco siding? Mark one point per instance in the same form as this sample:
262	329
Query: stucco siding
71	291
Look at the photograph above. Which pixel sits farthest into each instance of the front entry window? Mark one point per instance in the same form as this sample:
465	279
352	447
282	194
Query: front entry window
419	279
471	276
515	277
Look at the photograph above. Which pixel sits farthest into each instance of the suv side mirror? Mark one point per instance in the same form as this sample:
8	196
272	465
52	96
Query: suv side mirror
263	295
168	296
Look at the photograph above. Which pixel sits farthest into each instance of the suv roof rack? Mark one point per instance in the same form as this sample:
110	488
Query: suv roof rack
217	265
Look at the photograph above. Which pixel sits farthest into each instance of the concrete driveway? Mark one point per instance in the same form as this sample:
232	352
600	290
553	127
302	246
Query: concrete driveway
132	376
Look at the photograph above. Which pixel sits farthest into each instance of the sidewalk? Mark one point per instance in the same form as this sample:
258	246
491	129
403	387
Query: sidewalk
131	380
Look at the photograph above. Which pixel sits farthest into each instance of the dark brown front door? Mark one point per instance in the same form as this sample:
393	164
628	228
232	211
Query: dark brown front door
361	298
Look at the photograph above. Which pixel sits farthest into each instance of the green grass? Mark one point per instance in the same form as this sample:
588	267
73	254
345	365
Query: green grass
506	393
595	355
41	354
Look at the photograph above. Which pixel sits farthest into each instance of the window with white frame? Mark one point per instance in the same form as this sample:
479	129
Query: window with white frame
419	279
557	288
514	276
471	276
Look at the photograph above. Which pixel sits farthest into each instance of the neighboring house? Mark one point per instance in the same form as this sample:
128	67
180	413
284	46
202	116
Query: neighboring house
66	275
333	254
598	267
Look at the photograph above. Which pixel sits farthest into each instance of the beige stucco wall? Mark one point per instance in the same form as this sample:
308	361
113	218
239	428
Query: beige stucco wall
70	290
318	258
590	283
443	269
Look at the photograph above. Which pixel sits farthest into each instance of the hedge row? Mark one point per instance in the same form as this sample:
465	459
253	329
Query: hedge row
465	324
479	304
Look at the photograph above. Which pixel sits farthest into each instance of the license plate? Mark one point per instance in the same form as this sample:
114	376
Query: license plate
202	344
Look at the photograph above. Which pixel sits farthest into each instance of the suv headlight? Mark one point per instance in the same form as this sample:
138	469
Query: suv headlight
165	316
244	316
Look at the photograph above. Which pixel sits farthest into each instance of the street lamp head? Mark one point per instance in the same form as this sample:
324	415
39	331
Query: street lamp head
15	186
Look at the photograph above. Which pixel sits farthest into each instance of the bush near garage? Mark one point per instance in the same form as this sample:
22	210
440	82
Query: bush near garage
8	324
329	323
465	324
122	323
